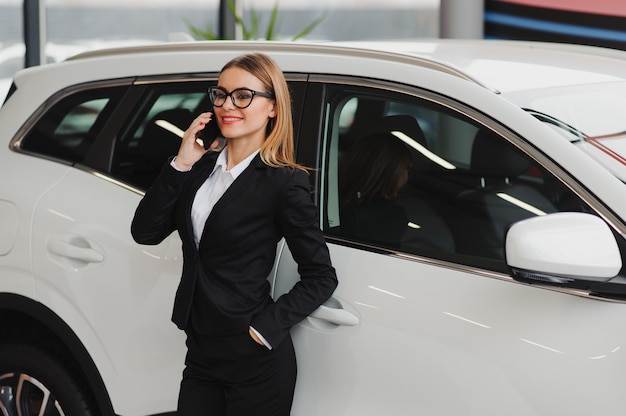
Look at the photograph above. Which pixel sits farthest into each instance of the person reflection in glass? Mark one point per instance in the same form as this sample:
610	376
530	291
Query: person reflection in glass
371	174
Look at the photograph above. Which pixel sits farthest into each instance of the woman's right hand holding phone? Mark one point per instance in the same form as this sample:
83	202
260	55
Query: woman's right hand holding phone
191	150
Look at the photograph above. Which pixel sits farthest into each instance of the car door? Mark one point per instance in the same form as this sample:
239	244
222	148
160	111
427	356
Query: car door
432	323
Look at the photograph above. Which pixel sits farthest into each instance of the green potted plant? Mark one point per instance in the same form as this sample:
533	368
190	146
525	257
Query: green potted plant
251	31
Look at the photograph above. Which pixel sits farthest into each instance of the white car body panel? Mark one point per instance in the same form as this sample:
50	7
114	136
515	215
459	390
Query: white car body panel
461	331
127	326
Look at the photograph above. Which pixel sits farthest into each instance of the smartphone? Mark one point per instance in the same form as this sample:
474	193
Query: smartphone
210	133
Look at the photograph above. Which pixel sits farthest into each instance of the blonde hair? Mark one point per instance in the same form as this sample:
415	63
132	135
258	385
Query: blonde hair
278	149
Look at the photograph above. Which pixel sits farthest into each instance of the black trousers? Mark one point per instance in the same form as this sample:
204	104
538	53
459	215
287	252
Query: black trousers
235	376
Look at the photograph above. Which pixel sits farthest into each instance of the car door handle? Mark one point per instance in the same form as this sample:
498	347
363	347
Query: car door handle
76	249
337	316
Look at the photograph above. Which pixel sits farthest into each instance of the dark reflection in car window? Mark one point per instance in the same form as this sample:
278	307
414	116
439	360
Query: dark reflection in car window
371	174
466	185
70	127
154	133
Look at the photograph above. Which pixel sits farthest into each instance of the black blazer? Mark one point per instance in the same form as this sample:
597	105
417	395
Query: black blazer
224	288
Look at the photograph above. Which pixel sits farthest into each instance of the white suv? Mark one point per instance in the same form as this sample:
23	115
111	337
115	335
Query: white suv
504	296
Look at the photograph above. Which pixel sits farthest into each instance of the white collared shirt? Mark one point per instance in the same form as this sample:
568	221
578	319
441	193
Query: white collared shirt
212	190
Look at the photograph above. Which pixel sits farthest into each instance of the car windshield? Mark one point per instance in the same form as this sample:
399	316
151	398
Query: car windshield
593	116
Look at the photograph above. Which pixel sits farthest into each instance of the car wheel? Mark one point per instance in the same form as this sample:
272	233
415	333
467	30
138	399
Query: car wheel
35	382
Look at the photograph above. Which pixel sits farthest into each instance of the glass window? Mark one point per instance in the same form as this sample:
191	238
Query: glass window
69	128
97	24
154	132
80	119
405	174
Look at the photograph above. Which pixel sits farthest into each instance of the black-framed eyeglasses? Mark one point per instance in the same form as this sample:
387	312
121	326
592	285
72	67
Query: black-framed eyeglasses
241	97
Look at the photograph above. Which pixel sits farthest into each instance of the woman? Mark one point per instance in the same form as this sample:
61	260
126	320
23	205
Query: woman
230	209
372	173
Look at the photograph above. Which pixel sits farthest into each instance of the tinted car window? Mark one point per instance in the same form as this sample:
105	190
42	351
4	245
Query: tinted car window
462	185
128	132
69	128
154	126
153	133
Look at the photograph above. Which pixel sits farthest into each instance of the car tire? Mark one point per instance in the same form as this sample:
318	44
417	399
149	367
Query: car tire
31	378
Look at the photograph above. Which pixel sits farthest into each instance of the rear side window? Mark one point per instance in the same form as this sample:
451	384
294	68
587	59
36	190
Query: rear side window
68	130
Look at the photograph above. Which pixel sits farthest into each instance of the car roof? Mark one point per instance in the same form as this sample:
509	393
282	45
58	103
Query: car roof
508	66
454	66
499	65
356	49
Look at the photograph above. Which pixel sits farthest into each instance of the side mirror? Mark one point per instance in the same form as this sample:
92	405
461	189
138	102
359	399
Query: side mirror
568	249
